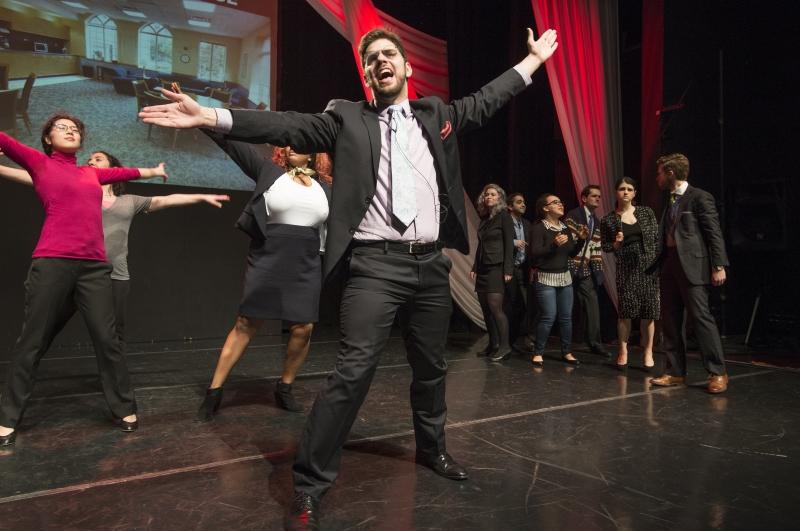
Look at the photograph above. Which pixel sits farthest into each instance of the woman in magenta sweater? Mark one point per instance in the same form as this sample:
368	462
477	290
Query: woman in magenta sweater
69	269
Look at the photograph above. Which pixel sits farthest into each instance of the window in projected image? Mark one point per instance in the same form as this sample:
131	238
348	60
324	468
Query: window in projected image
211	61
101	38
155	47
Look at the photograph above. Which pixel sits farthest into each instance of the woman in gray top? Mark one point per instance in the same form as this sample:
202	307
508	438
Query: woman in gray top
118	213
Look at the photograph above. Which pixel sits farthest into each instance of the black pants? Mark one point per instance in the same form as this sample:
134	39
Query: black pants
517	304
120	289
586	296
676	294
54	289
380	286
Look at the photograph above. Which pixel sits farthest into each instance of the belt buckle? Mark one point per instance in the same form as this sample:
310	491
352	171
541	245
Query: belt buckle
411	248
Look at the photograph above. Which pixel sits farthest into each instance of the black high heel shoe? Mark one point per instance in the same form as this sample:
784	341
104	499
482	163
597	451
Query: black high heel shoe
574	361
537	364
210	404
8	440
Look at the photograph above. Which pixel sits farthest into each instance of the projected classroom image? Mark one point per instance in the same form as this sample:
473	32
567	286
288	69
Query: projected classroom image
104	60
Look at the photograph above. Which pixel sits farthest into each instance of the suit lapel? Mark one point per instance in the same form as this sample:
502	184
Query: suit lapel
370	117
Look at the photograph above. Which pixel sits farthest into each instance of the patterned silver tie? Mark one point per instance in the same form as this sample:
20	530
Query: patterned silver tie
404	195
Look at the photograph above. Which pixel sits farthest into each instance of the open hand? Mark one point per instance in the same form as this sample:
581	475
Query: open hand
183	113
560	240
544	47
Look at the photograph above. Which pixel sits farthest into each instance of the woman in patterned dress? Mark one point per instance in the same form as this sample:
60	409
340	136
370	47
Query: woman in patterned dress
631	233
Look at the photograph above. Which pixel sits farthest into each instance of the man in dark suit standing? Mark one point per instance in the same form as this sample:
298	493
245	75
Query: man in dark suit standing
587	266
395	163
692	257
517	300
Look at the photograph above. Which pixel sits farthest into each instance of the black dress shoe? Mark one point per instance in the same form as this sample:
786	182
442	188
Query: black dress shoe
8	440
303	515
284	397
500	355
444	465
210	404
127	427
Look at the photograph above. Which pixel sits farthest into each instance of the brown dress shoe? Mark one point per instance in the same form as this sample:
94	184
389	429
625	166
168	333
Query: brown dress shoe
668	380
717	383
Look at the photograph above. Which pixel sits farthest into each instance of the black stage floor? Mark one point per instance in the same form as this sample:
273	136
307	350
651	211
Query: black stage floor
558	448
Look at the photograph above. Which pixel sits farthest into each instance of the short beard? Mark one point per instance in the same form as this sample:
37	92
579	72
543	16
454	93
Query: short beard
387	92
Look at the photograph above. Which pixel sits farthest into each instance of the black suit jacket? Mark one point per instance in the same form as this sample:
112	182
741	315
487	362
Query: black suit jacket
264	172
496	243
698	236
350	132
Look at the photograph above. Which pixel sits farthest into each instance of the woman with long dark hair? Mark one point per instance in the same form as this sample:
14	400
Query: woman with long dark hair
285	219
69	269
631	233
494	267
552	244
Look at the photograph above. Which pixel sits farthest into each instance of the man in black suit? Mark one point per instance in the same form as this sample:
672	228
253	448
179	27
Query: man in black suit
397	200
587	266
517	299
692	257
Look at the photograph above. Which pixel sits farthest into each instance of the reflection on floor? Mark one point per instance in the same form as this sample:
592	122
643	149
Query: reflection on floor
551	448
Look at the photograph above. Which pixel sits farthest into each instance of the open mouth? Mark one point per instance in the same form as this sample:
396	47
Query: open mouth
385	74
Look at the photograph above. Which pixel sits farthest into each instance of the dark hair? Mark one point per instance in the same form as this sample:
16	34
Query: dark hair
677	163
48	126
376	34
541	202
113	162
626	180
511	196
588	189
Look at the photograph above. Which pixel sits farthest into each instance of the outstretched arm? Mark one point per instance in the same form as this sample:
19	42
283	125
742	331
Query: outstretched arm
174	200
539	51
243	154
17	175
115	175
182	113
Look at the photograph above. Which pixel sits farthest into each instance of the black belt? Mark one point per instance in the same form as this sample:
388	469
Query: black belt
402	247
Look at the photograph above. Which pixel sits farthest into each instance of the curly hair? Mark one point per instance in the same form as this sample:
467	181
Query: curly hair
48	126
480	204
319	162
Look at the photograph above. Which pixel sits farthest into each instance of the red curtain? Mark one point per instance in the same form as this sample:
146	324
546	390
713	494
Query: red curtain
584	81
652	93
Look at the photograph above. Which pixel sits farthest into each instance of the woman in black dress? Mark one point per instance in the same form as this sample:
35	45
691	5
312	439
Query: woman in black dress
494	267
551	245
285	218
631	233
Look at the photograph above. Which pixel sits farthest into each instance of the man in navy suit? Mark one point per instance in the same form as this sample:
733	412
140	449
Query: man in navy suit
397	201
587	266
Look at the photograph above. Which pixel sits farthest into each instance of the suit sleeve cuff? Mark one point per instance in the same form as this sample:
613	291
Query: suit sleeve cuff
525	76
224	120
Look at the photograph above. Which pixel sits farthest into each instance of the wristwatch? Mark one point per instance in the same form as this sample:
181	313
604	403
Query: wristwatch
719	268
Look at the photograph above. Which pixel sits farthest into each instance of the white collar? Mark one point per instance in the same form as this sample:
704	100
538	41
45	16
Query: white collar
681	189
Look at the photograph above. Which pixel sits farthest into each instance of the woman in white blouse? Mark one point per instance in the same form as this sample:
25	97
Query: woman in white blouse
285	218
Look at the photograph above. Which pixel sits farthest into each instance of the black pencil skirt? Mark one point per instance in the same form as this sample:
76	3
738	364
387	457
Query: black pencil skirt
284	275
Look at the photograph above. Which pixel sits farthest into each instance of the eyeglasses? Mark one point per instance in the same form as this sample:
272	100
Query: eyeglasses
63	128
554	202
